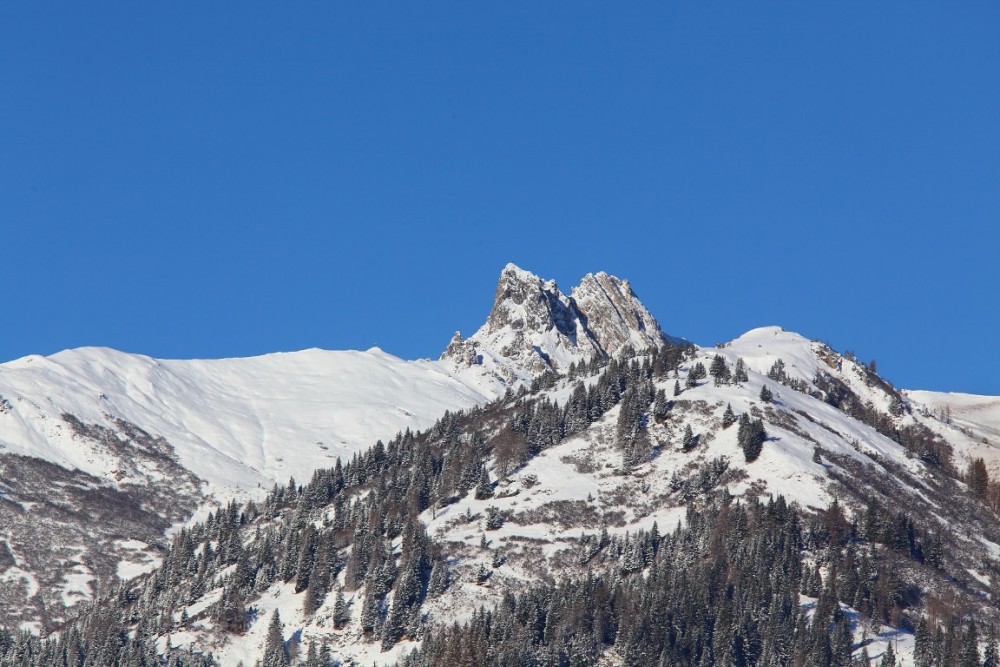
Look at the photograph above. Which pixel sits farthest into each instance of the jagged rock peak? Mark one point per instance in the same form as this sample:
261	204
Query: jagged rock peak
615	315
534	327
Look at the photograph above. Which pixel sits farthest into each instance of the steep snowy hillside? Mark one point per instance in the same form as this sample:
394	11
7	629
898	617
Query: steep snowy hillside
101	451
970	421
235	423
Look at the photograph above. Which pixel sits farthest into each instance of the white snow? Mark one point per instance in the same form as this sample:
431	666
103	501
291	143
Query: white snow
239	424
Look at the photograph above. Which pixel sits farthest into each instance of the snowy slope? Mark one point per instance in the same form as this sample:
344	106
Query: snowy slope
235	423
970	422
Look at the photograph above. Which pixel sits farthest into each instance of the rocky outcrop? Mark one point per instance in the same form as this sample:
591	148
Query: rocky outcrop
533	327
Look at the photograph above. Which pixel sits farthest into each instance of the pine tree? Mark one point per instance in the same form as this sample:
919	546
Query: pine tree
439	578
689	440
719	370
274	645
765	394
319	583
369	612
660	405
740	373
494	520
922	648
341	614
728	417
969	653
677	387
889	657
484	489
751	437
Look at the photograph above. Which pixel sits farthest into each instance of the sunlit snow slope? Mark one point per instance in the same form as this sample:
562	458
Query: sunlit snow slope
235	423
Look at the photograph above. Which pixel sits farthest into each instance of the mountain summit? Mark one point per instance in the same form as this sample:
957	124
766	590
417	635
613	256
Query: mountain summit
533	327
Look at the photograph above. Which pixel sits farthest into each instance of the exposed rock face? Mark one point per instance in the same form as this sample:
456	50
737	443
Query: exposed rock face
533	327
614	315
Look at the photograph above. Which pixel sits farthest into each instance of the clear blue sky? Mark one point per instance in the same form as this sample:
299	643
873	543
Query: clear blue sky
192	179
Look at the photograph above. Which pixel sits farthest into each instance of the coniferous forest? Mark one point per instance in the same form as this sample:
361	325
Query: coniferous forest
741	581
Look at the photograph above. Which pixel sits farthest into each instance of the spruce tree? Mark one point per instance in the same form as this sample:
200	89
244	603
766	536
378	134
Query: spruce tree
660	405
740	373
889	657
274	644
439	578
728	417
719	370
484	489
689	439
751	437
341	614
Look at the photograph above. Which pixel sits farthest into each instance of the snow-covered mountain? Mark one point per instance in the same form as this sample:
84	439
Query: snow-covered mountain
239	424
579	476
568	416
190	434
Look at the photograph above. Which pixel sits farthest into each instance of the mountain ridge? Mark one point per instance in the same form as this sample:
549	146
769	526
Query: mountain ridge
116	423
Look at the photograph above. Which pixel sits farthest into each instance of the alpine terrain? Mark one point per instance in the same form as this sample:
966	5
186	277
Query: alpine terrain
569	485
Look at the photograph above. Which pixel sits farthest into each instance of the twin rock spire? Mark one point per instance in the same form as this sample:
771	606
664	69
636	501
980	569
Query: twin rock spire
533	327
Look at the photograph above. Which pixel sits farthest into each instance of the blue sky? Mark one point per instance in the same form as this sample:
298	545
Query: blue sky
193	179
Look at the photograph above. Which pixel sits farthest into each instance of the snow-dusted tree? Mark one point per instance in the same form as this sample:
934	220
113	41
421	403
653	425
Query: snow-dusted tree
889	657
728	417
661	406
777	371
439	578
991	658
341	614
740	373
484	489
494	520
370	612
719	370
689	440
751	437
274	645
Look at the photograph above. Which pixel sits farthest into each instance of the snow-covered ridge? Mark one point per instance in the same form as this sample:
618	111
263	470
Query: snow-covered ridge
244	423
236	423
